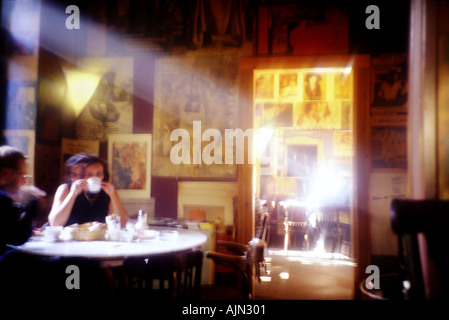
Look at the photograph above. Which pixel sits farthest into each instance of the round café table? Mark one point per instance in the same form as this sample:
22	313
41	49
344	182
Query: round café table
116	250
111	254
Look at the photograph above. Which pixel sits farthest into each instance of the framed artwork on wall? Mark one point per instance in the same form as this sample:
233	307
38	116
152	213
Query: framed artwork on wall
195	94
388	142
389	147
264	85
129	164
343	143
278	114
21	105
314	86
318	115
110	109
389	83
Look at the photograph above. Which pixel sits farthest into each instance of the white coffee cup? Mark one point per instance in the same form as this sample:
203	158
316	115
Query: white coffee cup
94	184
51	233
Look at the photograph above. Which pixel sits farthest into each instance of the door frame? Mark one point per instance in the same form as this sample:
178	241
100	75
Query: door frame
360	64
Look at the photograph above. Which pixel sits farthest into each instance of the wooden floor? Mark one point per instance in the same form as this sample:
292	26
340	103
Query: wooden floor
305	275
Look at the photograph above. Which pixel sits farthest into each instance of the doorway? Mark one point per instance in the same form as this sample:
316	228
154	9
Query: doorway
310	113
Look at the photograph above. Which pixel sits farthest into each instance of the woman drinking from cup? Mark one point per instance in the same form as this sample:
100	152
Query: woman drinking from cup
88	196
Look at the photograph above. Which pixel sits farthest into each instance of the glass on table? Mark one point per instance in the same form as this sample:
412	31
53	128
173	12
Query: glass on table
128	233
114	227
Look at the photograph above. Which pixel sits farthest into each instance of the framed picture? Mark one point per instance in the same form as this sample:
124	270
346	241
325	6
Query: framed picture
24	140
21	105
389	147
288	85
343	143
264	85
314	86
278	114
312	115
129	161
389	83
186	94
342	86
110	109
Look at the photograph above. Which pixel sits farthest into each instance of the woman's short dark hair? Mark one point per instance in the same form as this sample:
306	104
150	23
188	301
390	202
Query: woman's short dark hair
92	159
85	159
74	161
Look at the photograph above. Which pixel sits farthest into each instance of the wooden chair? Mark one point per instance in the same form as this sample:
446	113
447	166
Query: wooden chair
330	228
245	260
275	221
296	223
421	225
168	277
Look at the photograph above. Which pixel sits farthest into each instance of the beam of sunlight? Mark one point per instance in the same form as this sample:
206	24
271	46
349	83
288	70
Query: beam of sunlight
23	22
55	43
320	258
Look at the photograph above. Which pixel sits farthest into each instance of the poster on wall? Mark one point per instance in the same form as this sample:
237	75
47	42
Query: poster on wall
314	86
288	85
343	143
110	109
264	85
129	164
21	105
342	86
318	115
278	114
389	147
389	83
201	89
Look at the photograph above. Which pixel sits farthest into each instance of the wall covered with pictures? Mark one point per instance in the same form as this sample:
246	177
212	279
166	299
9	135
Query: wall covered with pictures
162	70
310	112
388	144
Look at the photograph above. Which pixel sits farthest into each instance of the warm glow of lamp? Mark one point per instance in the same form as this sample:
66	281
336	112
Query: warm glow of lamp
81	85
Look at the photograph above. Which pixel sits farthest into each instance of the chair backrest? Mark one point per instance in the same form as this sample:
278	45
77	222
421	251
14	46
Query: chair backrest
296	214
245	261
409	218
256	251
172	277
262	234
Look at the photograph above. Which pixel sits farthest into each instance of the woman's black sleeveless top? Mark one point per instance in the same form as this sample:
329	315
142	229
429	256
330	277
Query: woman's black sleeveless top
87	211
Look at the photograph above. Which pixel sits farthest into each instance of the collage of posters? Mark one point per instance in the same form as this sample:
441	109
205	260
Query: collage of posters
304	99
388	112
304	104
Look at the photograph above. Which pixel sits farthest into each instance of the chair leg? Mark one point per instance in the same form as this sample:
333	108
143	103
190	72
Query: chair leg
286	239
306	238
